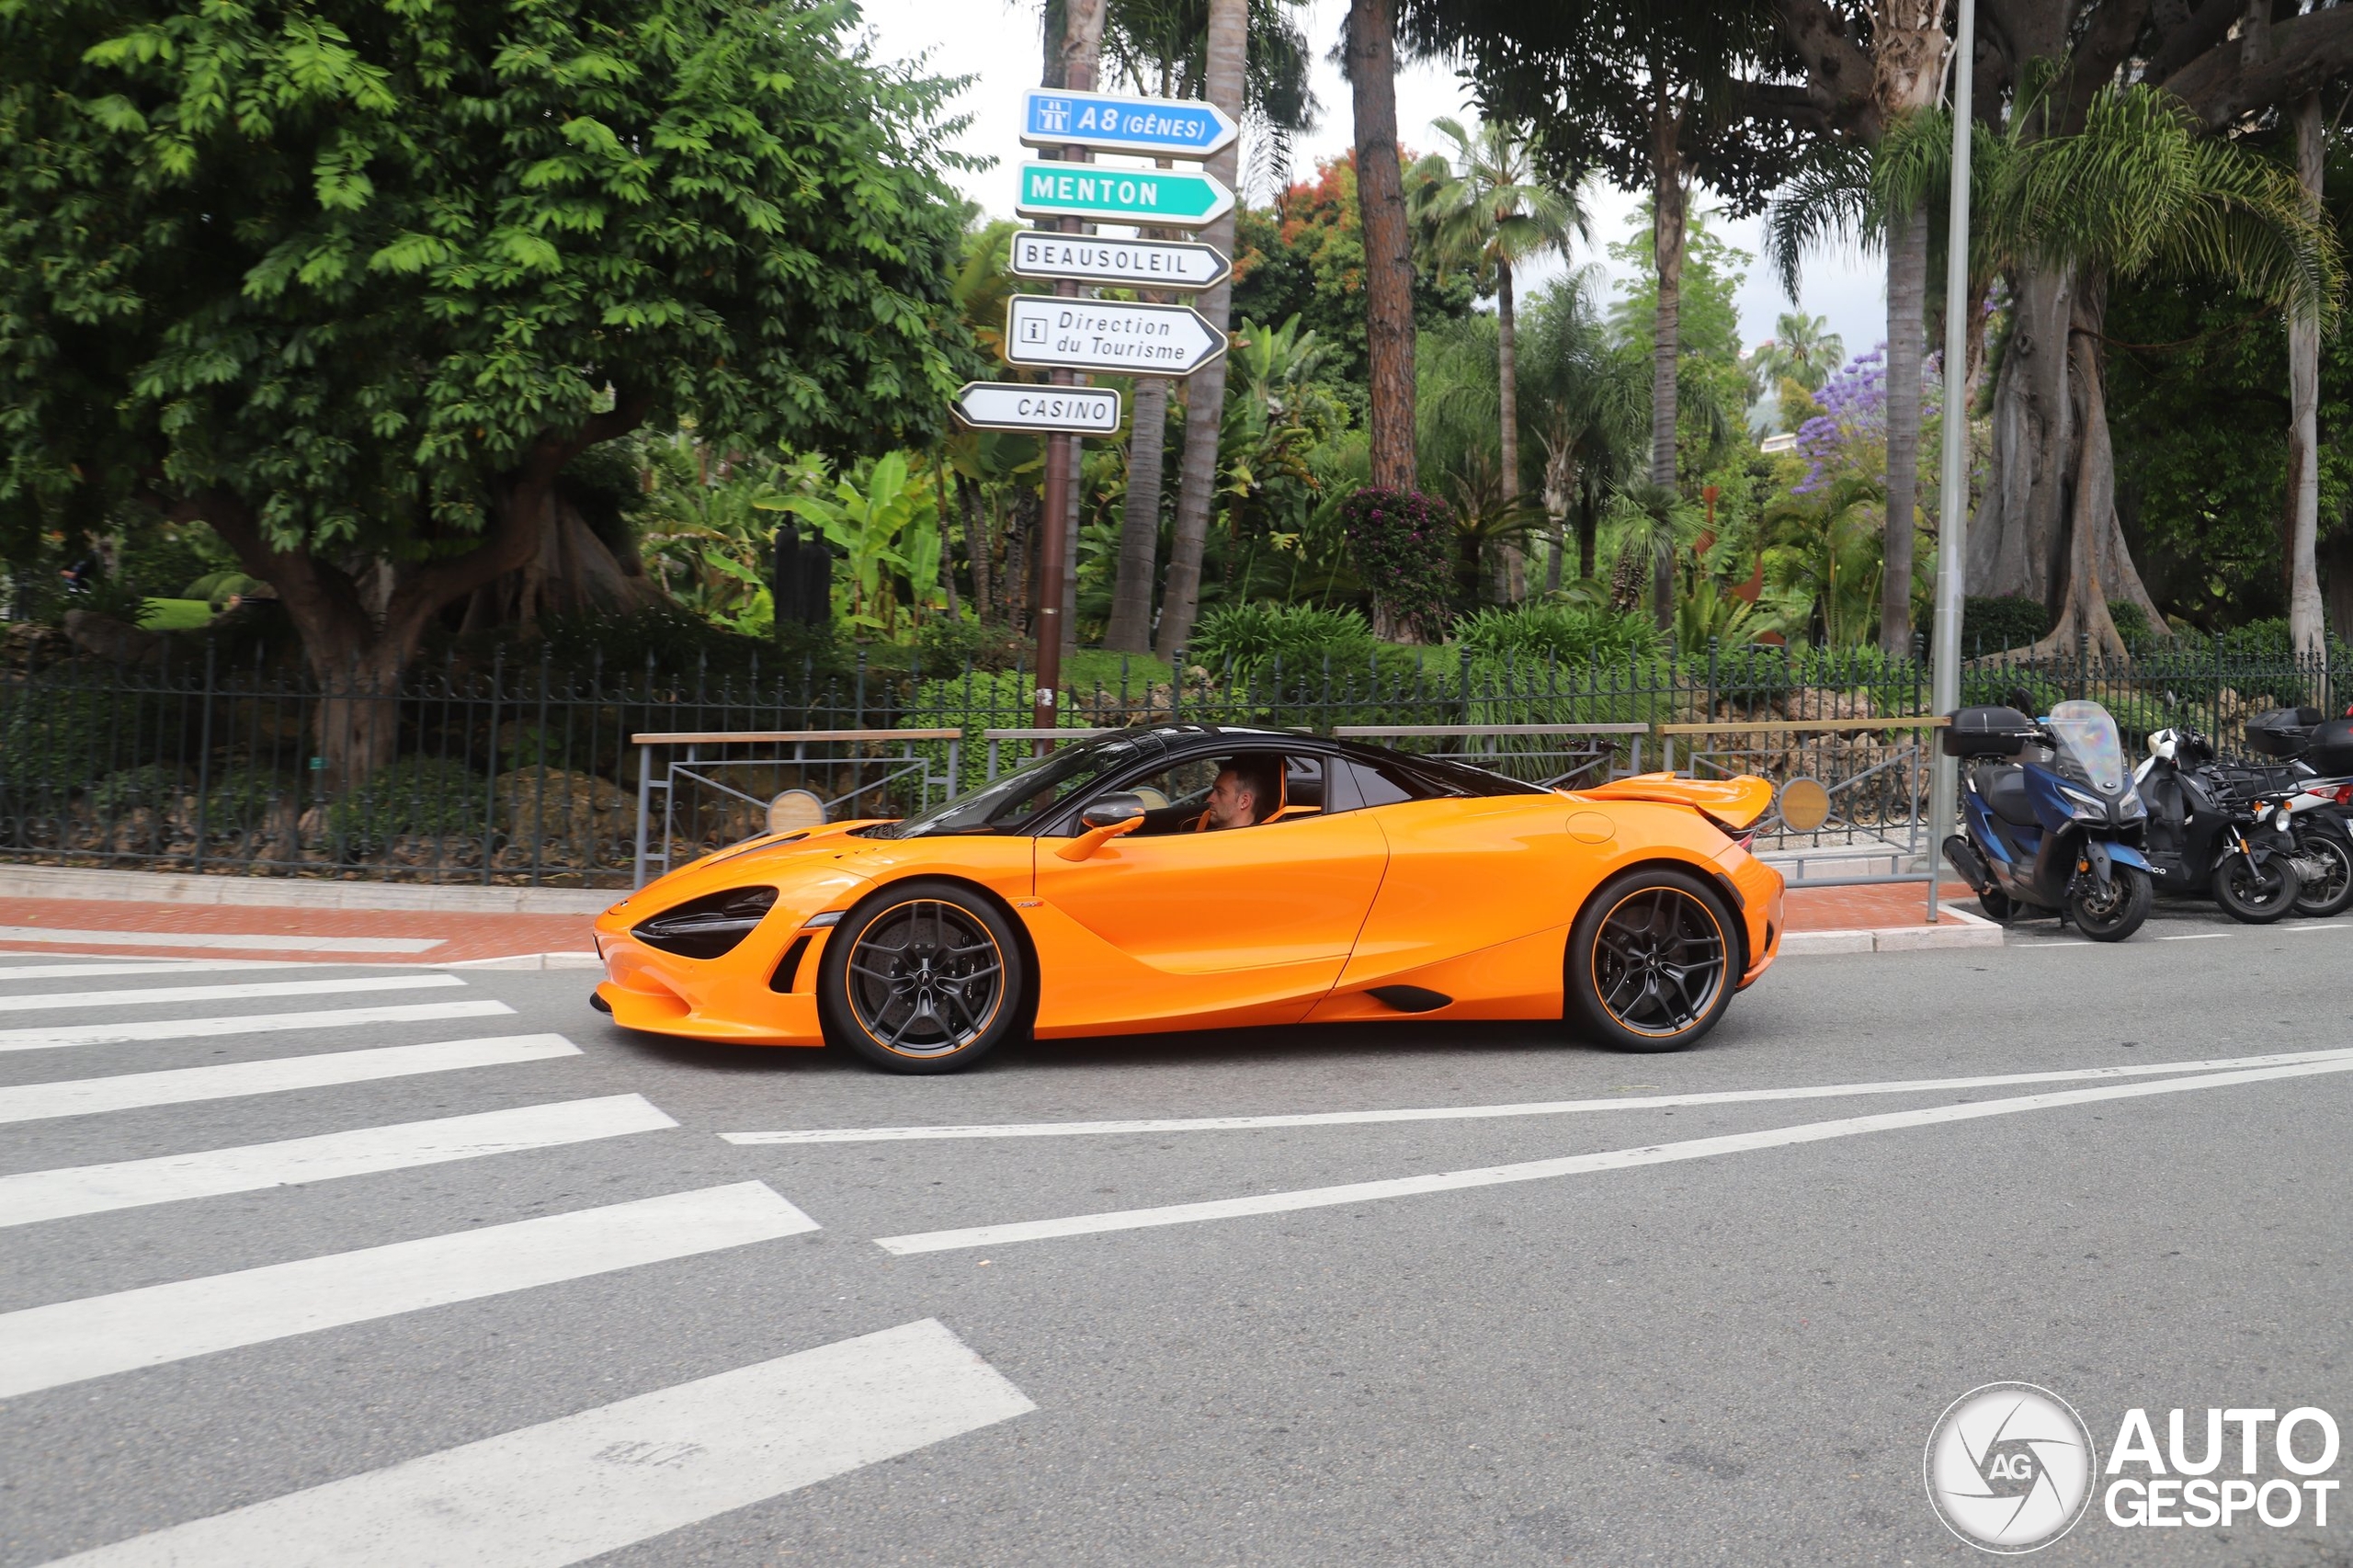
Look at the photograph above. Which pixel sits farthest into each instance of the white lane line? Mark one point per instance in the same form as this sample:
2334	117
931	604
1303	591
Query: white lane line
132	1184
66	1342
1524	1108
144	966
243	1023
225	941
1573	1164
230	1080
141	995
2199	936
2330	926
582	1485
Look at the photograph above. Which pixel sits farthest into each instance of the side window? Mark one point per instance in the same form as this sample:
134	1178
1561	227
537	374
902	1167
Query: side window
1383	783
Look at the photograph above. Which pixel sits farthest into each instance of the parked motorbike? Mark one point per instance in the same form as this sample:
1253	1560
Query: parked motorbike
2051	820
2208	834
2316	792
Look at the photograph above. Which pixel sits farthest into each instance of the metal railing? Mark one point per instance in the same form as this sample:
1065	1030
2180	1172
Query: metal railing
495	771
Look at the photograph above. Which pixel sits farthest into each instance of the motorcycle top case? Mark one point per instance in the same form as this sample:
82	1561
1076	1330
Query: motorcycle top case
2283	732
1987	732
2332	746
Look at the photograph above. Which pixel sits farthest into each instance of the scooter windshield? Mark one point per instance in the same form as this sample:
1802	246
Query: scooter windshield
2088	744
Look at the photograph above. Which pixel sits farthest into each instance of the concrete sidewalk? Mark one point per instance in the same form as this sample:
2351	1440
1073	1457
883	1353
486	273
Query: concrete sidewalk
159	915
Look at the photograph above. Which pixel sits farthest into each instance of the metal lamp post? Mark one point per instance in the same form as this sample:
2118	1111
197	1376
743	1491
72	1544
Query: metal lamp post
1944	675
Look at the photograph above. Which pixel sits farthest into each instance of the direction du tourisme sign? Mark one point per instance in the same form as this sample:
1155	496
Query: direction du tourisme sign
1104	334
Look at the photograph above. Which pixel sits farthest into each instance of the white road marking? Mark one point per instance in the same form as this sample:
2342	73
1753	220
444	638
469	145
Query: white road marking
2329	925
2199	936
1573	1164
582	1485
224	941
241	991
46	1038
1526	1107
144	966
67	1342
131	1184
228	1080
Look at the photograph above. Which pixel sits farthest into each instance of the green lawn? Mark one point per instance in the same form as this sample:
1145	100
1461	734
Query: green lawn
1087	666
177	615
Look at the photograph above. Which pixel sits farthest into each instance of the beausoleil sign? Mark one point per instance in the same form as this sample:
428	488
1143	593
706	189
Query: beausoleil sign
1017	406
1152	263
1168	128
1106	194
1102	334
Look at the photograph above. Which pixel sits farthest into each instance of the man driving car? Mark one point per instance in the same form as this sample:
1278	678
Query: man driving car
1248	790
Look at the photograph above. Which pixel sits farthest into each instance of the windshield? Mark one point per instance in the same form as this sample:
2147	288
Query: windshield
2089	745
1016	802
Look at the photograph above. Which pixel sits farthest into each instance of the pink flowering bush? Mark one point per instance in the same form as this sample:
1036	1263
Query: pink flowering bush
1402	544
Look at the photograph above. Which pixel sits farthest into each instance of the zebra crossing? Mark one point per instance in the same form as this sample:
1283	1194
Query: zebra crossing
546	1493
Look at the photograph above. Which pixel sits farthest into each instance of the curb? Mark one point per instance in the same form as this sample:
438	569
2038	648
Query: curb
1974	932
180	887
527	960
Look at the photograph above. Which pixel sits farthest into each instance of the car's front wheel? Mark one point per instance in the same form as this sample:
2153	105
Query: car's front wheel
922	977
1652	963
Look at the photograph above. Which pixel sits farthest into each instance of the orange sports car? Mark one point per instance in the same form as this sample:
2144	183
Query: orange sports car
1198	876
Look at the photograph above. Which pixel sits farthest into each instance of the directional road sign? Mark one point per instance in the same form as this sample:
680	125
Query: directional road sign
1099	334
1163	198
1153	264
1167	128
1017	406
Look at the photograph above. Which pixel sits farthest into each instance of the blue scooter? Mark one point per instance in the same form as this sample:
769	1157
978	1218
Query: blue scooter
2052	822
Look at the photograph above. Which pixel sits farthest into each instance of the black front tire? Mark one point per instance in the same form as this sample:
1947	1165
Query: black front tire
923	976
1652	963
2257	895
2131	897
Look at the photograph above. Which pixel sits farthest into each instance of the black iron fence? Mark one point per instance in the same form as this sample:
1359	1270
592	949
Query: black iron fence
526	774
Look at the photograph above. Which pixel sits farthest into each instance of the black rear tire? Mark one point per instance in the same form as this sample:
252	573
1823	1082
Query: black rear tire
923	976
1652	963
2333	894
2256	894
1997	905
2131	897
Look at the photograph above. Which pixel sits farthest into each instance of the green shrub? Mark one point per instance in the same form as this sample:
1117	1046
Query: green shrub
1248	638
420	797
1564	635
2131	624
56	738
1991	625
152	785
984	700
1402	543
239	799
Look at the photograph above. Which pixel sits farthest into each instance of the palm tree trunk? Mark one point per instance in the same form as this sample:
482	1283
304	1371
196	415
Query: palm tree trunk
1371	59
1667	195
2307	625
1907	288
1229	37
1129	631
1514	572
977	544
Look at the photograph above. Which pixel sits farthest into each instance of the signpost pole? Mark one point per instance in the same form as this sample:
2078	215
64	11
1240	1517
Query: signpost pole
1952	523
1062	474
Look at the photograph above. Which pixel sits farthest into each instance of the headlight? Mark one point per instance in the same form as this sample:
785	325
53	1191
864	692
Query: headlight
2083	806
709	926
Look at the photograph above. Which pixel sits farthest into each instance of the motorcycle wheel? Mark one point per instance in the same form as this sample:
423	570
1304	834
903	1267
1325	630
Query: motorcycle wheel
2257	895
2334	892
2111	919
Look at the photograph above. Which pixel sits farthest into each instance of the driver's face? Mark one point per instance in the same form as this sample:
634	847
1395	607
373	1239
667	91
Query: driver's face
1230	803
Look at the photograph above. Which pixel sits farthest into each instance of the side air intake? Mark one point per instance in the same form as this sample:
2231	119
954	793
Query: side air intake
1410	998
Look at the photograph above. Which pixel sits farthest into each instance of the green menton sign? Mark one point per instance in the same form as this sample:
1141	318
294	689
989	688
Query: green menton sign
1170	197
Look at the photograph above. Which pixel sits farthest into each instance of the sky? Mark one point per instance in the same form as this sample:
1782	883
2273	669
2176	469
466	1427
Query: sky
997	44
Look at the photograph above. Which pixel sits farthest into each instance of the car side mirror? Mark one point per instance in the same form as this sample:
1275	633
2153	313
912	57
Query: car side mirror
1104	820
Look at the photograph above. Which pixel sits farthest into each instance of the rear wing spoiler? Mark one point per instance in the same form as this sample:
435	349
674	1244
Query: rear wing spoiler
1735	802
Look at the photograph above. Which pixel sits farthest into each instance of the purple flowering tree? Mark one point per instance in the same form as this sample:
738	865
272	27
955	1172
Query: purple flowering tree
1402	542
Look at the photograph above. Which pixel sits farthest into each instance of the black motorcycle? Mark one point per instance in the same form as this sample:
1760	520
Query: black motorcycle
2205	836
2315	789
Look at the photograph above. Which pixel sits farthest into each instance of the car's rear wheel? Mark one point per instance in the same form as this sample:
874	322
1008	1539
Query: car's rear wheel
1652	963
922	977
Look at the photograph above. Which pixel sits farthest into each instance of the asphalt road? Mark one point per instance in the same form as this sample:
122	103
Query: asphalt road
1732	1354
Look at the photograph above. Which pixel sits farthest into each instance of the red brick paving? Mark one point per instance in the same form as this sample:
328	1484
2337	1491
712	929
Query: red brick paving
1869	908
457	936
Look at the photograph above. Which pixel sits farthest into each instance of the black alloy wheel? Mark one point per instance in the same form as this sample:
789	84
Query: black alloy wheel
1652	962
2333	894
2117	914
2258	892
926	977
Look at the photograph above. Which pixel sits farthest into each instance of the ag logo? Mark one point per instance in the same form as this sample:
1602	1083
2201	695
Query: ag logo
2010	1467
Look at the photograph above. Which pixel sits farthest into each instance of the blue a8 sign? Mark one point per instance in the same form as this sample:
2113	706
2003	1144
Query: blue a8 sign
1171	128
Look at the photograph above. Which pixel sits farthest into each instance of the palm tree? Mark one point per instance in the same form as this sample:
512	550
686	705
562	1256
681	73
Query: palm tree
1484	205
1587	404
1369	51
1802	349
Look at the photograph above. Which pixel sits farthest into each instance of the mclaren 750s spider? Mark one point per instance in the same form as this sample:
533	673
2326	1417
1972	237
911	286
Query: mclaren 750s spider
1195	876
